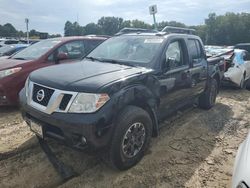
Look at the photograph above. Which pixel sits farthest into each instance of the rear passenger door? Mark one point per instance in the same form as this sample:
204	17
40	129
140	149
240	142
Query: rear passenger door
199	66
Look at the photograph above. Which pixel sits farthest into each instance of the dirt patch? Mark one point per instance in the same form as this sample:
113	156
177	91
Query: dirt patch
195	149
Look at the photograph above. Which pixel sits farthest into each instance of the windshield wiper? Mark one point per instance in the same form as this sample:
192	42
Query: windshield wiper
117	62
93	59
19	58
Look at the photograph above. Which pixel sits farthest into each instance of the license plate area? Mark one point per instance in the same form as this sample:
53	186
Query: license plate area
36	128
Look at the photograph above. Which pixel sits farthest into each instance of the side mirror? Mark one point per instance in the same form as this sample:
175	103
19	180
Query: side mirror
171	63
61	56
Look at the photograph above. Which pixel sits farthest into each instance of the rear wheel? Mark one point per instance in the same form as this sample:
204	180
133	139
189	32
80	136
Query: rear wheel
248	84
208	98
242	83
131	138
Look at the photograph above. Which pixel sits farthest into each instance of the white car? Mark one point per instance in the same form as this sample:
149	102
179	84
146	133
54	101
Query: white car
238	69
241	173
4	42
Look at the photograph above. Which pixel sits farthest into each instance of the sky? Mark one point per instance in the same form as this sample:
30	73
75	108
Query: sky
51	15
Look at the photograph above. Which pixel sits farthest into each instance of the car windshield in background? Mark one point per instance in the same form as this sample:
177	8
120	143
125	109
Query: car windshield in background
5	49
36	50
131	50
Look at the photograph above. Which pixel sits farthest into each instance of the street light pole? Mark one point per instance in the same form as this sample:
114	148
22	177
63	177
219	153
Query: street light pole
27	29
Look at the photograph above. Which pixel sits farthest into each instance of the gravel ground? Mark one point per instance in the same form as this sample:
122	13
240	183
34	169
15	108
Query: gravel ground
196	148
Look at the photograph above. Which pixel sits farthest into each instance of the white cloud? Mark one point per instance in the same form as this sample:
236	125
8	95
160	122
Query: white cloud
47	15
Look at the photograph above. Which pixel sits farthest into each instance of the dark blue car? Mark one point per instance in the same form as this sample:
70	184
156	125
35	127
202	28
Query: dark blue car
8	50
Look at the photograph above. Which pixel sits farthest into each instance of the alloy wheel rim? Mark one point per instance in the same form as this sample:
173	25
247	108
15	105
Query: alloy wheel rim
133	140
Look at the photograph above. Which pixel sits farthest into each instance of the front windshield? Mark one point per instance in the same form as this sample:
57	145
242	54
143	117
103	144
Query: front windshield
133	50
5	49
36	50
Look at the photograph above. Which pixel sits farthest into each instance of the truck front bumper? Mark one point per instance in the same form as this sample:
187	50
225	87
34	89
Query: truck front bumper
80	131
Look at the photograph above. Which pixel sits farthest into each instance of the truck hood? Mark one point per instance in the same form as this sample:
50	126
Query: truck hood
84	76
9	63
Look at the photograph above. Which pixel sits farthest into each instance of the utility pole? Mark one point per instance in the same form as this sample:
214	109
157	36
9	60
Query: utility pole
153	11
27	29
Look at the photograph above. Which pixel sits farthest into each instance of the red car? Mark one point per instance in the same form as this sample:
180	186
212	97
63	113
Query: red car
15	70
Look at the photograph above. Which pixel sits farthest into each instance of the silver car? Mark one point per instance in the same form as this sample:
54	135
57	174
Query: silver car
241	173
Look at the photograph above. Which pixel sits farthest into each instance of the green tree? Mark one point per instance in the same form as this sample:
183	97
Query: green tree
126	23
55	35
68	29
73	29
110	25
140	24
33	33
92	28
163	24
8	30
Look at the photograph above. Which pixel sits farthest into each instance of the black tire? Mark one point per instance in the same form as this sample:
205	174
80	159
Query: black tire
116	156
208	98
248	84
242	83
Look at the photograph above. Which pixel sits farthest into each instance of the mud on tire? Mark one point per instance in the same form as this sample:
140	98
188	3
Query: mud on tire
208	98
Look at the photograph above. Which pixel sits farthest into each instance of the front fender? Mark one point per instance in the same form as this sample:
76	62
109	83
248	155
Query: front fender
141	96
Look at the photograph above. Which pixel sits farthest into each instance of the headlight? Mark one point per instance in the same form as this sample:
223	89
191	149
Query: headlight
8	72
88	102
26	87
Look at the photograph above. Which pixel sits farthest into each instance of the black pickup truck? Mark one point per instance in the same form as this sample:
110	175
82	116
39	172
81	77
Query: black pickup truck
115	98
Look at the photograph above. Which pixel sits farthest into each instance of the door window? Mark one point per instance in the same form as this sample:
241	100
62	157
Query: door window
174	55
195	50
246	56
74	50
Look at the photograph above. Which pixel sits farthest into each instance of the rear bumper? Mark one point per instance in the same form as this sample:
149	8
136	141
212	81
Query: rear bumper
79	131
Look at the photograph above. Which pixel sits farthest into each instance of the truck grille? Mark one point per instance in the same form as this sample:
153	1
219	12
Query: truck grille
41	95
49	100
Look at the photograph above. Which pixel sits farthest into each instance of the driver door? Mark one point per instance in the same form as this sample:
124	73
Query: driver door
175	82
69	52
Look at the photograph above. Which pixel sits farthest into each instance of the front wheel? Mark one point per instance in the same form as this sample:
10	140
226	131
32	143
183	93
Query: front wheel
208	98
131	138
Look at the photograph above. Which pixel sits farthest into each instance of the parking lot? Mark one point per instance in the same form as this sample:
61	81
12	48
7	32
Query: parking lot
195	149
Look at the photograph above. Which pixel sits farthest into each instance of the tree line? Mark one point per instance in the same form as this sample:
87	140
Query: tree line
227	29
8	30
